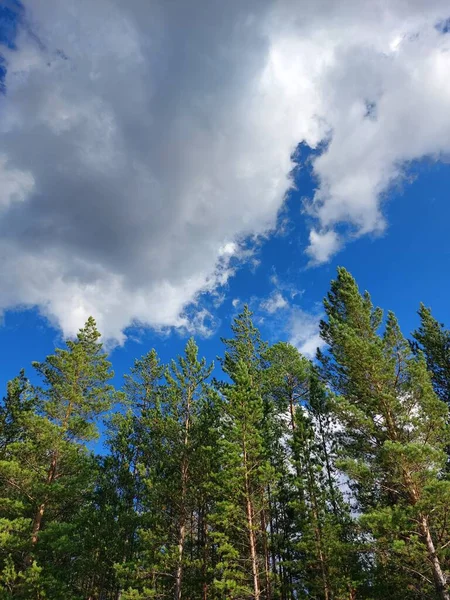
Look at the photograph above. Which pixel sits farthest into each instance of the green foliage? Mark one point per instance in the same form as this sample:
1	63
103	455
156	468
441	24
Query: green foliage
289	480
45	467
394	430
434	341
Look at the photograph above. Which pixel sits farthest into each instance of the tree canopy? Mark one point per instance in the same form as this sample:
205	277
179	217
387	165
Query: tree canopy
280	478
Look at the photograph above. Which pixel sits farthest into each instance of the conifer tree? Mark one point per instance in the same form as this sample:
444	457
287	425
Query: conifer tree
394	434
285	378
312	530
434	341
246	474
325	566
242	481
287	481
76	391
170	432
246	346
46	467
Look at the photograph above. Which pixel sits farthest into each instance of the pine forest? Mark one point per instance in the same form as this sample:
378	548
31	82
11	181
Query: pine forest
265	477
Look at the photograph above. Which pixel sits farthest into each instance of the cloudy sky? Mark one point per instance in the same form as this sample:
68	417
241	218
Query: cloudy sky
162	162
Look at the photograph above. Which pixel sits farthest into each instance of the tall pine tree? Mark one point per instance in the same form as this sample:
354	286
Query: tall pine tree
394	434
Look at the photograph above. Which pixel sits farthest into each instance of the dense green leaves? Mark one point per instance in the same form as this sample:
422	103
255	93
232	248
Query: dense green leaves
434	340
283	480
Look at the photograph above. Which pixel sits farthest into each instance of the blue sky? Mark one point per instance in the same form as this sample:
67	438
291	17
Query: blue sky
166	201
406	265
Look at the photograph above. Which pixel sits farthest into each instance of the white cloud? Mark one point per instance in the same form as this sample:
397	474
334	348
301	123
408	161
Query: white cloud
275	302
322	245
142	141
300	327
304	332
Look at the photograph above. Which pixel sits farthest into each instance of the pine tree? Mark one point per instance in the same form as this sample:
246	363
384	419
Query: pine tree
170	431
434	341
242	481
19	400
394	434
137	448
325	567
76	392
186	385
16	418
246	346
285	378
312	531
45	465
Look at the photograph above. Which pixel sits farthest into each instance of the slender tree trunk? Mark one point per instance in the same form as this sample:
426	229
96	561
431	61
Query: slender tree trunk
37	521
204	535
271	533
179	572
251	531
318	532
182	528
440	580
319	547
326	589
328	466
253	553
184	482
292	412
268	594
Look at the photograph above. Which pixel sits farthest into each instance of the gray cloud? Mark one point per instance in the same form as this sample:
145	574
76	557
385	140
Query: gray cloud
141	141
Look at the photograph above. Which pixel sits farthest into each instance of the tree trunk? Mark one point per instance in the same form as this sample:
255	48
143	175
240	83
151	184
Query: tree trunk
253	553
318	530
271	533
440	580
203	535
292	412
251	531
268	594
184	482
204	559
37	521
331	483
179	573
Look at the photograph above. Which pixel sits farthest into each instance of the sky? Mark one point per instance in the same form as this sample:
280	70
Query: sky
163	163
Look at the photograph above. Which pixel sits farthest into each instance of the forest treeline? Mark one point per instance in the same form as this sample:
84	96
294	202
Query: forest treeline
283	479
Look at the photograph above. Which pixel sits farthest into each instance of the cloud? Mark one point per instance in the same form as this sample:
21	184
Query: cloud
304	331
142	142
275	302
299	327
322	245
